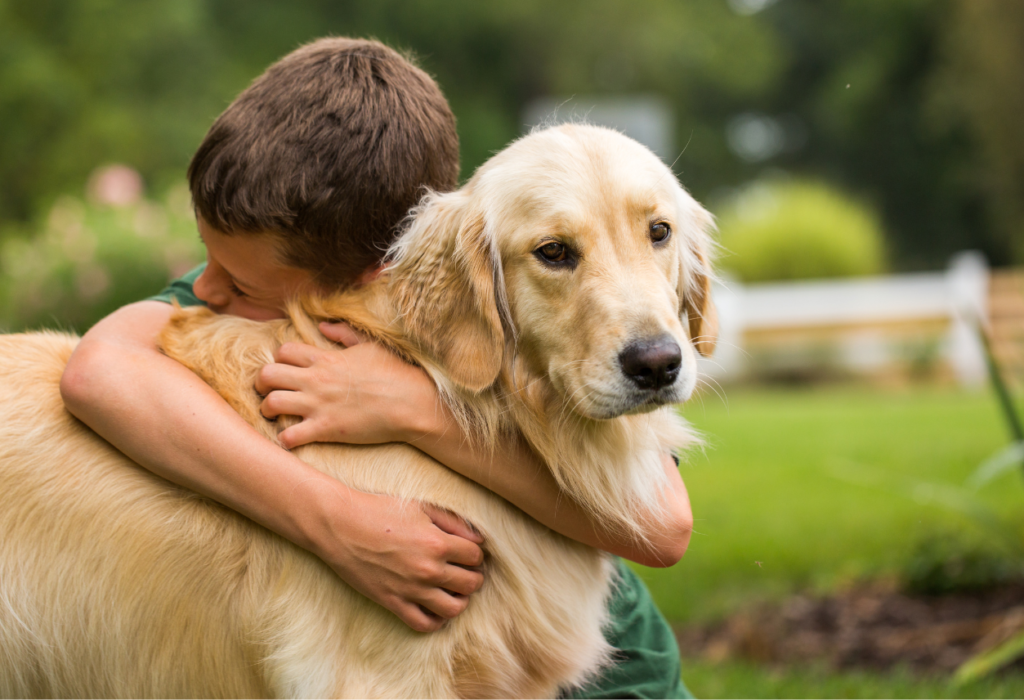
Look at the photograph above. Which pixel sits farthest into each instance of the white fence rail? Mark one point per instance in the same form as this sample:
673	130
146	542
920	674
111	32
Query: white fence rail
866	321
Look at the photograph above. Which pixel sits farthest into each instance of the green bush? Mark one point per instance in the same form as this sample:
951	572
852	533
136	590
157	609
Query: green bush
798	230
85	260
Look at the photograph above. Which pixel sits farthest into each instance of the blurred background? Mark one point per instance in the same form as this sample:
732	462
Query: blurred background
865	162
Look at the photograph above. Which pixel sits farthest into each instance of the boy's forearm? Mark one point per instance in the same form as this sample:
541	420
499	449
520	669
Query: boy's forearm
407	556
168	420
366	394
514	472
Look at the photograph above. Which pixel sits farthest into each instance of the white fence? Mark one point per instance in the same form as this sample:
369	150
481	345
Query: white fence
867	323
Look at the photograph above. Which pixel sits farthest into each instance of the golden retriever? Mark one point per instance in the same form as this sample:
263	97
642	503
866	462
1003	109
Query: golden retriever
559	295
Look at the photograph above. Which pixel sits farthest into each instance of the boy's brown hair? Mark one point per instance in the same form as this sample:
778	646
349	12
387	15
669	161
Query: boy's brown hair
328	149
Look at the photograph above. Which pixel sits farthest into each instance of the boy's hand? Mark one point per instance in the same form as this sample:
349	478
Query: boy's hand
363	394
410	557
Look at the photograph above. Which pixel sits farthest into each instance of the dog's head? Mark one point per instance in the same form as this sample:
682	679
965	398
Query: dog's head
576	249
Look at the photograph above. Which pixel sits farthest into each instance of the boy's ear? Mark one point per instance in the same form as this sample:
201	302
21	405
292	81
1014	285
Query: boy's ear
443	283
695	277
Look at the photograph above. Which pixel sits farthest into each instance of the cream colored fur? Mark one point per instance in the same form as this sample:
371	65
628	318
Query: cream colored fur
114	582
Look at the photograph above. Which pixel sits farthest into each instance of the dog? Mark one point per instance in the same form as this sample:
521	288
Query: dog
560	295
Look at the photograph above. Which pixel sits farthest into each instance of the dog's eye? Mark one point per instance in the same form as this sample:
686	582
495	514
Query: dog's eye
660	232
553	252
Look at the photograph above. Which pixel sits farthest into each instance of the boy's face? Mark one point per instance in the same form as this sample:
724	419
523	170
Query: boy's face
245	277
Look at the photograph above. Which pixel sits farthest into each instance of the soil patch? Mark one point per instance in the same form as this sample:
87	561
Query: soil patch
869	626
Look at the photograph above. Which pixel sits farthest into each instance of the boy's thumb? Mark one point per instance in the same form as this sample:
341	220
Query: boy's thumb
341	333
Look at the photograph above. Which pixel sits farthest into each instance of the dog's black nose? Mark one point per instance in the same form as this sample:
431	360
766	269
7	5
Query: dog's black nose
652	363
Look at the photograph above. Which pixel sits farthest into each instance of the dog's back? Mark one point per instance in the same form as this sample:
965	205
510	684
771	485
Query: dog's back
100	590
114	582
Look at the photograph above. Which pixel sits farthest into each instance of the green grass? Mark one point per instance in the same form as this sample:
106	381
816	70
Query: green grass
740	680
765	490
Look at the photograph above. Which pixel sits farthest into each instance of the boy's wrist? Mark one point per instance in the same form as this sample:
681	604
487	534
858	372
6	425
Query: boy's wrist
313	511
417	423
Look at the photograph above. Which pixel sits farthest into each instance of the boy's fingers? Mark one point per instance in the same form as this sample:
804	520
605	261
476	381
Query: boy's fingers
452	524
298	354
464	552
342	333
417	617
434	607
273	377
283	403
463	581
445	605
298	435
427	620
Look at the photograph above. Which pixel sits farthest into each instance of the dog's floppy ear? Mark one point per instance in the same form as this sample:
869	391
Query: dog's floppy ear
443	280
695	277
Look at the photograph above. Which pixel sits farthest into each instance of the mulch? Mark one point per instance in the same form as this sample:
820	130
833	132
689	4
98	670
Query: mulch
871	625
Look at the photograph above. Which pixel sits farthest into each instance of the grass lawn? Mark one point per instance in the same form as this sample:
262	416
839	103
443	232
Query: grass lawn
765	490
738	680
772	516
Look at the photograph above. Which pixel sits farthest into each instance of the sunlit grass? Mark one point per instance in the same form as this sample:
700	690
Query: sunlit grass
771	515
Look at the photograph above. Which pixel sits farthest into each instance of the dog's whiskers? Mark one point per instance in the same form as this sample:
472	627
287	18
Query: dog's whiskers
718	391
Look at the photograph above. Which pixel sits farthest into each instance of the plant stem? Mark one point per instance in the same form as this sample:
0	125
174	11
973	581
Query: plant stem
1002	390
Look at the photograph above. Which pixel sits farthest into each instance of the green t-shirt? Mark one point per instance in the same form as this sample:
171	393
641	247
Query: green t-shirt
647	661
181	289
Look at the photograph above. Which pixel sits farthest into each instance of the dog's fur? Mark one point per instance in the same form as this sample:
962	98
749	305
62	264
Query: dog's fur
116	583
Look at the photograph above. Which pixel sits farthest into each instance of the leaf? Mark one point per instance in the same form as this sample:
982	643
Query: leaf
990	660
997	465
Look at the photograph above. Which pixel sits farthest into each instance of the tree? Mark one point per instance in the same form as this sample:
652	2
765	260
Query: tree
978	90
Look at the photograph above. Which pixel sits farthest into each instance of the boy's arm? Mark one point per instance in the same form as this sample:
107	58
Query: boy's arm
366	394
514	472
168	420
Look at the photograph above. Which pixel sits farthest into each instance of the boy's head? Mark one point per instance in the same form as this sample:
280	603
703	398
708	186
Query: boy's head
327	151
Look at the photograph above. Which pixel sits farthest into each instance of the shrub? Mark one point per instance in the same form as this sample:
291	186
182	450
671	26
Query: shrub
85	260
798	230
945	563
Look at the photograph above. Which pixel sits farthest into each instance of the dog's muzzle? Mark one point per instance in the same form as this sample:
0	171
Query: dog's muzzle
652	363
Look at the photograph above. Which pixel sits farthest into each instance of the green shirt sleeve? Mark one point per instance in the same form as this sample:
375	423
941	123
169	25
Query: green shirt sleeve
181	289
647	661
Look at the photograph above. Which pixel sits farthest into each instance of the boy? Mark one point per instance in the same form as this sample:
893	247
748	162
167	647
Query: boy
300	185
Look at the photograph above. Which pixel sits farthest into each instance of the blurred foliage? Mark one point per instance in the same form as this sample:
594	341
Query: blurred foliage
979	91
84	82
950	563
862	78
87	260
785	230
912	105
